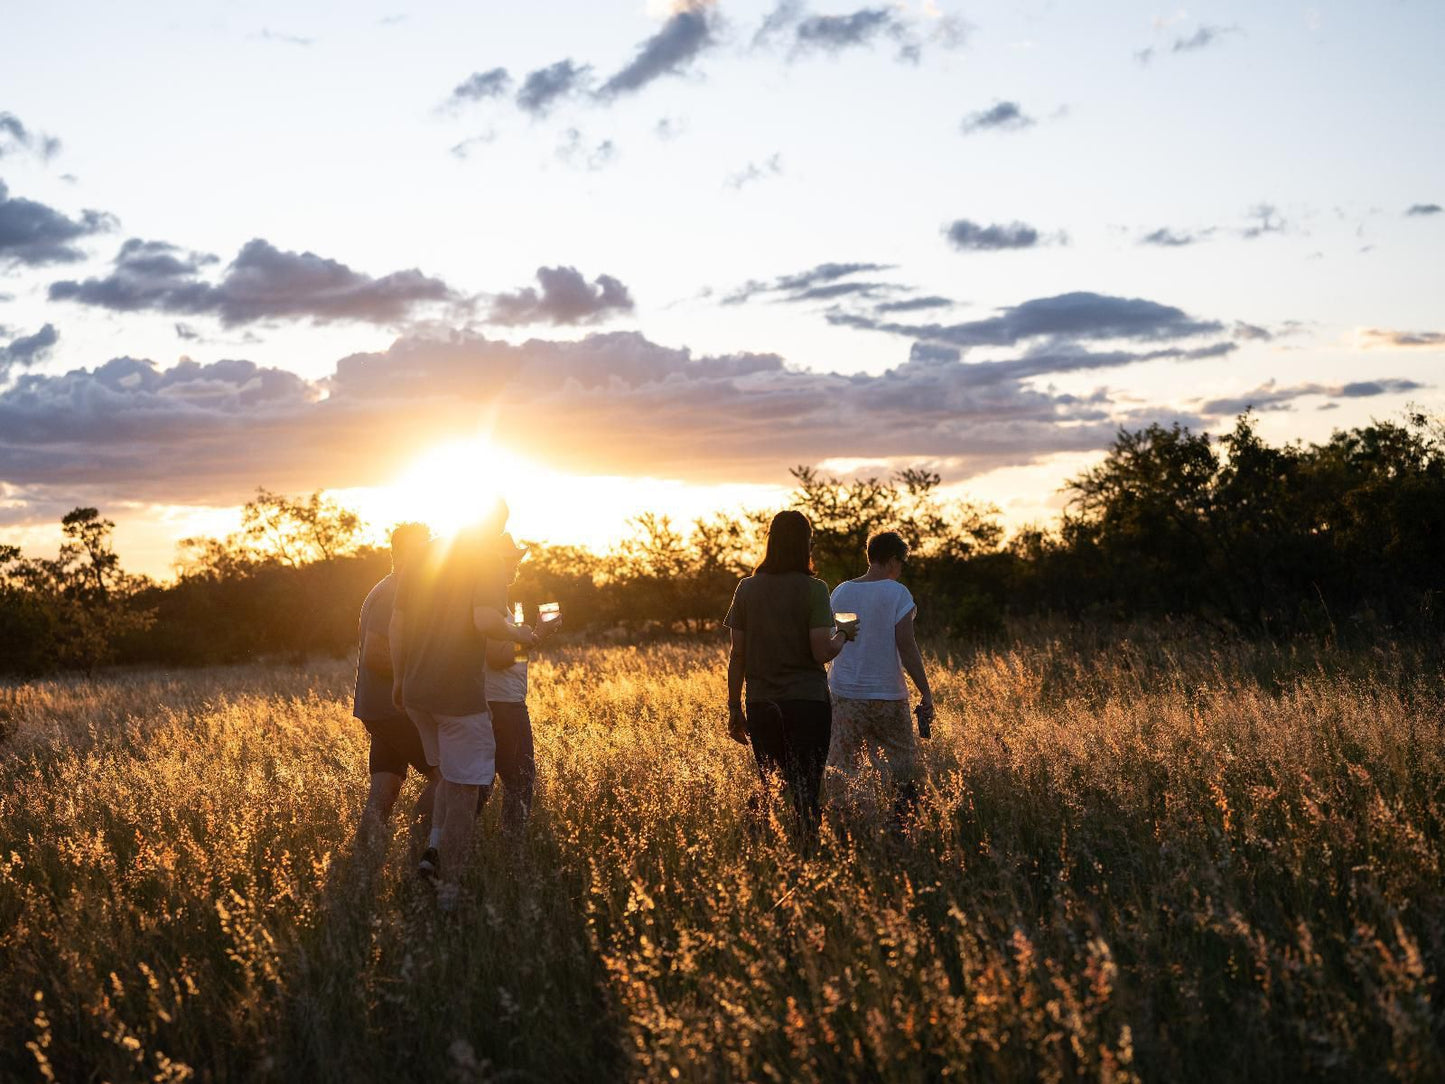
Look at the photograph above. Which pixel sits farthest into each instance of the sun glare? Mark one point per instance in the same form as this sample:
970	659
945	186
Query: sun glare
454	484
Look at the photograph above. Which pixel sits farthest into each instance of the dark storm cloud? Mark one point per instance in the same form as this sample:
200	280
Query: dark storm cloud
543	87
16	137
261	283
480	86
565	297
789	286
999	117
1380	337
970	236
1270	396
1081	316
26	350
1420	209
32	234
685	34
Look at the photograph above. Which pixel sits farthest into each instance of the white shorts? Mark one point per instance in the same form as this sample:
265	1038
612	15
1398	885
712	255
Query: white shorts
462	746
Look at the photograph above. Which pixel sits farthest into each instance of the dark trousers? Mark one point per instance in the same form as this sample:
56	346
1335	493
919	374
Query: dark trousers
790	738
516	763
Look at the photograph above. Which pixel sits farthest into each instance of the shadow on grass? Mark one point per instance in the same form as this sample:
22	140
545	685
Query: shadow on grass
388	987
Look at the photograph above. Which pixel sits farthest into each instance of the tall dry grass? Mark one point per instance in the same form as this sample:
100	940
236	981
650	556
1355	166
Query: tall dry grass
1150	861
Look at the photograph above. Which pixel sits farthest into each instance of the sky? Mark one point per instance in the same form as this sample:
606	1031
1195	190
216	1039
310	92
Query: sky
613	257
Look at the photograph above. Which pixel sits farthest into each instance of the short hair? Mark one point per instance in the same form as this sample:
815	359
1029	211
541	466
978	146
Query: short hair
790	544
885	546
406	540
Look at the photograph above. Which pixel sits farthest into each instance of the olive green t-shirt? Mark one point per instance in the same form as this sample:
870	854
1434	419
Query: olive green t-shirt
777	611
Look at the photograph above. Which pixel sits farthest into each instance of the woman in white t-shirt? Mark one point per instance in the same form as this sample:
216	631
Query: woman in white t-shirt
870	698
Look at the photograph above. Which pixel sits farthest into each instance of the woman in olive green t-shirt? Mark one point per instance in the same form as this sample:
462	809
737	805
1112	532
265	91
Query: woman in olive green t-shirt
782	635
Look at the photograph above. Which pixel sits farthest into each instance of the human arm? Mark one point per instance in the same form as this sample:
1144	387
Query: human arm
396	648
826	644
493	624
737	664
501	654
823	640
912	659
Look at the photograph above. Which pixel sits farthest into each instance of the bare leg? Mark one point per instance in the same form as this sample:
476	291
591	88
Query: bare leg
422	813
385	787
456	811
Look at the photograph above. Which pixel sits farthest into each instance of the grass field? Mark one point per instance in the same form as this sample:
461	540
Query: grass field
1154	861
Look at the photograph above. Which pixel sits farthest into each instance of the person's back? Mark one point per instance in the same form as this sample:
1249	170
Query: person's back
870	667
445	668
777	611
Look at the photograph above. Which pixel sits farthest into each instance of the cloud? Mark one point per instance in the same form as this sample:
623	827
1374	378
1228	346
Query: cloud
792	287
1167	238
969	236
32	234
261	283
685	34
1420	209
1265	219
860	29
1270	396
834	33
285	39
479	86
1250	332
914	304
574	151
1202	38
1078	316
26	350
771	167
565	298
542	88
467	147
1374	338
16	138
610	403
999	117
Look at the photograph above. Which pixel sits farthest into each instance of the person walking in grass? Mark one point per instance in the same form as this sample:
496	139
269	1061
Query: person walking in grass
507	701
395	744
782	638
446	609
870	700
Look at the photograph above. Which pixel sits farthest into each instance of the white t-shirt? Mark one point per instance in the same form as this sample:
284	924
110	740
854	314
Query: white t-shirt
869	668
508	686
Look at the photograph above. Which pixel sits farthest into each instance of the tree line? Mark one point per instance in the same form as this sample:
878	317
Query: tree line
1344	537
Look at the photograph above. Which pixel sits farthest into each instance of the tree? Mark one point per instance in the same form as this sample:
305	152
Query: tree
75	608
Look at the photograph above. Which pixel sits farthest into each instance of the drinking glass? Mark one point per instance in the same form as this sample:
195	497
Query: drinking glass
846	622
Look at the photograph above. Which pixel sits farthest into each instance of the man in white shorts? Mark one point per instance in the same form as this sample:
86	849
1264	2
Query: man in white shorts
870	700
446	607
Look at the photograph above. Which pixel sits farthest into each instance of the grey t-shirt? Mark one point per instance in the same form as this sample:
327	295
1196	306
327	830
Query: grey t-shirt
446	664
373	687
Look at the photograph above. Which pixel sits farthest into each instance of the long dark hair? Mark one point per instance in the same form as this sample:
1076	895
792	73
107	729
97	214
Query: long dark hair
790	544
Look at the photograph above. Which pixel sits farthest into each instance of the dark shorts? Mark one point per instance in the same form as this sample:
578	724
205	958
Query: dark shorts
395	744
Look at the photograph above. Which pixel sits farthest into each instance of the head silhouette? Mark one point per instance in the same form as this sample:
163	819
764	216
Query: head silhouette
407	540
790	544
887	546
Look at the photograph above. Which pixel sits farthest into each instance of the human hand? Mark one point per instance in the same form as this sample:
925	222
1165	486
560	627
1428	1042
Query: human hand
737	724
549	627
925	712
